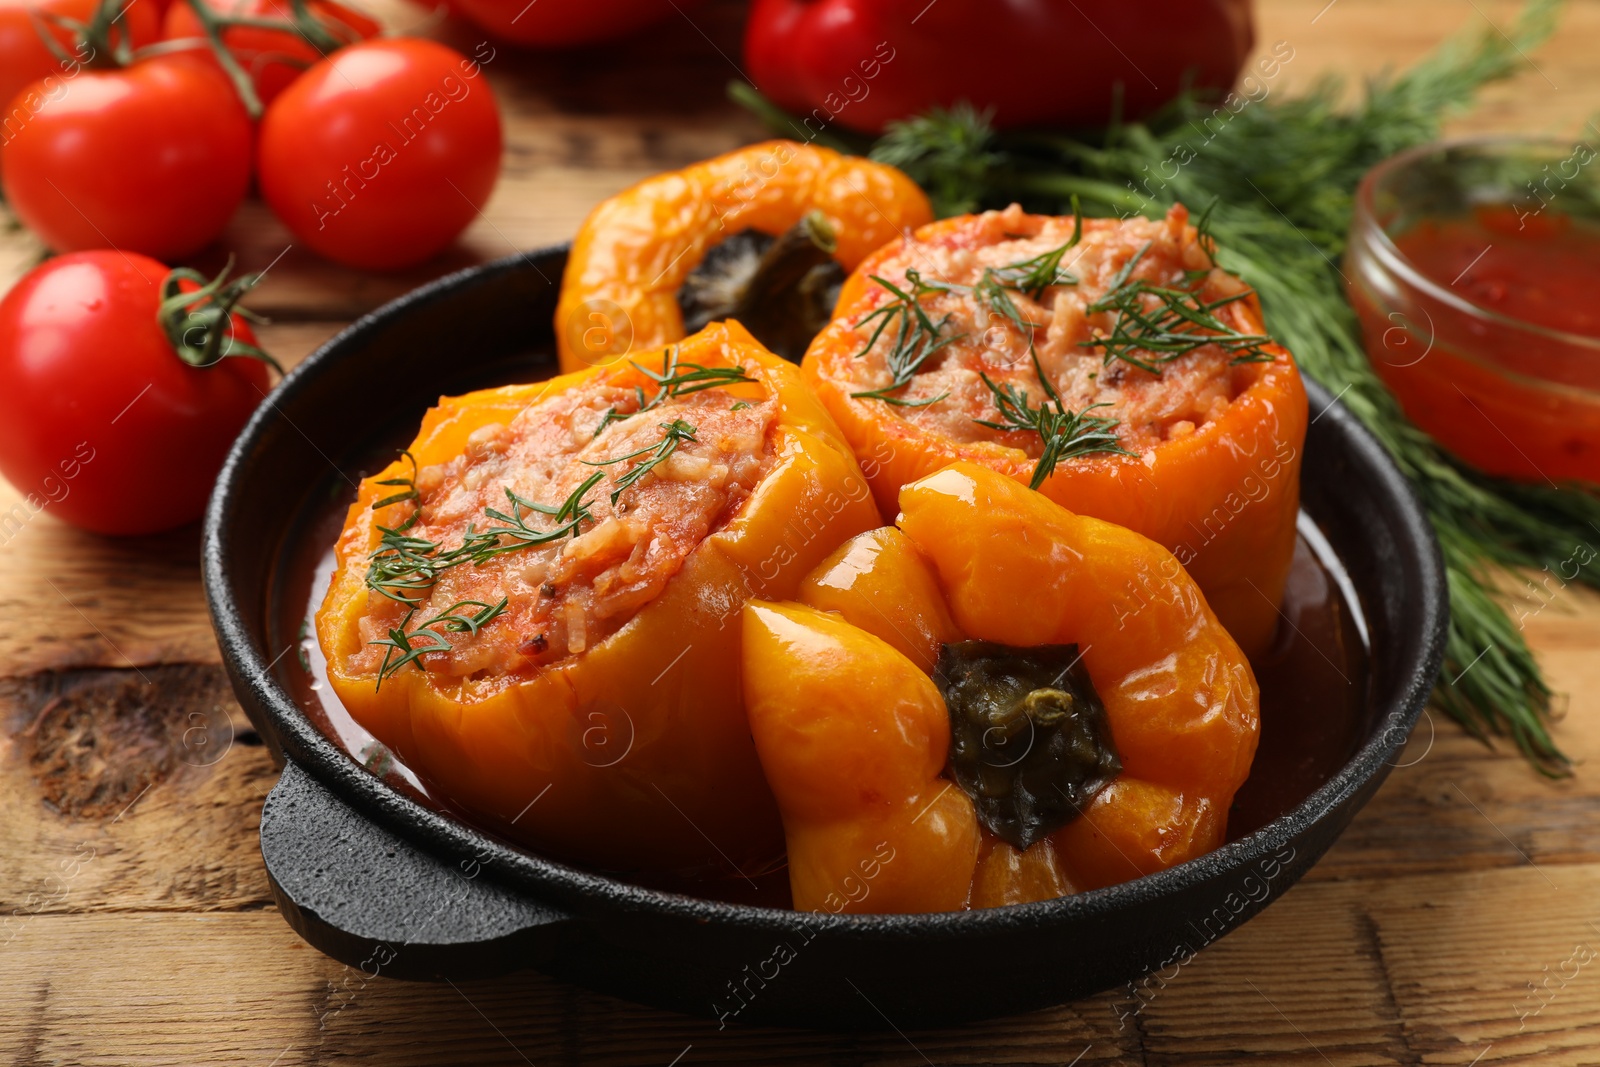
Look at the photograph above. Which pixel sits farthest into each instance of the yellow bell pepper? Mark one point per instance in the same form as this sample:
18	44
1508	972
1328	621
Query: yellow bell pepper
871	826
635	753
847	724
635	250
880	582
1223	497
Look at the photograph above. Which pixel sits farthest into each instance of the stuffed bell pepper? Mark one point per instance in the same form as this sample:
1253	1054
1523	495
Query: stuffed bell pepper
763	235
537	606
996	702
1110	364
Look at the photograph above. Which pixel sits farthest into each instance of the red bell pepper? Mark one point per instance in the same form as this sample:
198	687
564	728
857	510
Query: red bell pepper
862	63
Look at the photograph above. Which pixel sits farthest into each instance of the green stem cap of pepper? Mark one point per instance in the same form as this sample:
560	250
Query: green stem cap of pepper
1029	739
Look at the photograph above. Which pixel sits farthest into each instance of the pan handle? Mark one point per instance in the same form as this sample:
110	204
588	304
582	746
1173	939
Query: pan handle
373	900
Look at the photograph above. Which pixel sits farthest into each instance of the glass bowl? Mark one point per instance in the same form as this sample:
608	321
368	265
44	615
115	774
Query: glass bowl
1507	395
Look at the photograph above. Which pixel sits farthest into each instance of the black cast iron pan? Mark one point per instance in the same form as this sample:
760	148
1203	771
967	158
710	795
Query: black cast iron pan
377	880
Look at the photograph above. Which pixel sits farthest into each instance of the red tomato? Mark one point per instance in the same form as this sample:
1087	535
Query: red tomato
100	422
274	58
380	155
555	23
154	159
24	59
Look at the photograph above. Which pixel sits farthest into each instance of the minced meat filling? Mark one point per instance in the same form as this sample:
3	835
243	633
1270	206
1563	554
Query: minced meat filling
1150	408
566	596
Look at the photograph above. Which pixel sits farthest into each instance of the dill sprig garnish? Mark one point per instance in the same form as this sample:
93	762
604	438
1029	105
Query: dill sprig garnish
917	336
675	380
405	568
1171	326
1030	277
1065	433
673	434
404	564
450	618
1033	276
410	484
480	546
1284	171
993	293
399	640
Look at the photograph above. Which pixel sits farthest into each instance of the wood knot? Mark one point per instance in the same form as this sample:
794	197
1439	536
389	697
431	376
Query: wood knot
95	740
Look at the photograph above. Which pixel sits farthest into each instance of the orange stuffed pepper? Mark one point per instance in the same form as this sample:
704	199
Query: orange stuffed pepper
1110	364
709	242
537	606
1088	720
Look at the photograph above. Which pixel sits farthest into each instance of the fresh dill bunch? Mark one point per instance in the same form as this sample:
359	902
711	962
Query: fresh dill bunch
947	153
1283	174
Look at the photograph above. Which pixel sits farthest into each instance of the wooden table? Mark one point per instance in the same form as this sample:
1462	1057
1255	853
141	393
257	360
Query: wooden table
1454	923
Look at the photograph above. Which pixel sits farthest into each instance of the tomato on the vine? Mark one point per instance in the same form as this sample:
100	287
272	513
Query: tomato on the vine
153	158
25	58
101	422
380	155
273	58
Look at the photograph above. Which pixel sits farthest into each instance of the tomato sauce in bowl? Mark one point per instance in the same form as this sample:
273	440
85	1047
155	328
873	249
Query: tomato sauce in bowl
1473	267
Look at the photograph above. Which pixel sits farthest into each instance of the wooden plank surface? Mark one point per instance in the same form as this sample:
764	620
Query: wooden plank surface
1452	924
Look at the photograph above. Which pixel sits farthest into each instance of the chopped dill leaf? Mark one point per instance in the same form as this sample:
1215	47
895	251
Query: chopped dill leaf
674	433
916	337
1065	433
